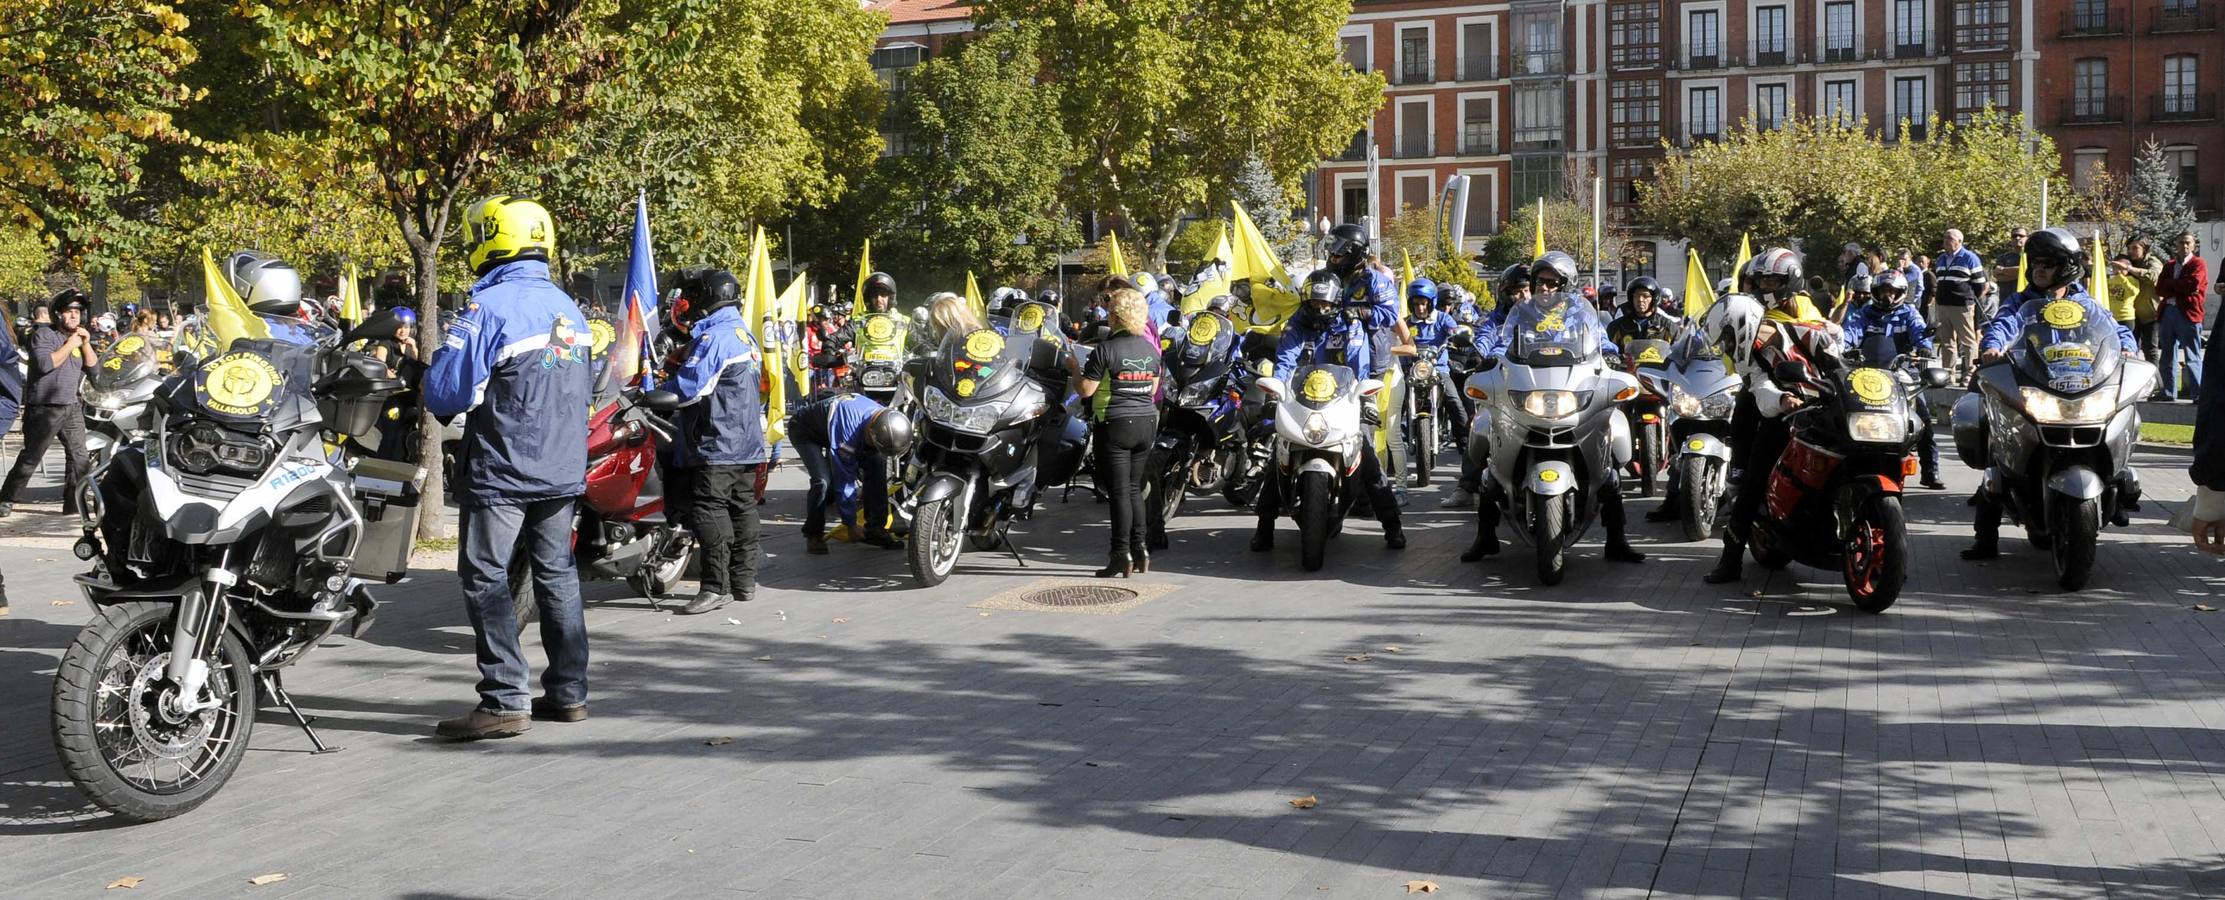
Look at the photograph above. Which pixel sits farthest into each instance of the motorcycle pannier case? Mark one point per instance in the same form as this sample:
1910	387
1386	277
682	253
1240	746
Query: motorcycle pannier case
386	491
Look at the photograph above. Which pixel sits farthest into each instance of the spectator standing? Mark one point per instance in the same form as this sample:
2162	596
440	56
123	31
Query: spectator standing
60	352
2140	268
1931	285
2006	263
11	403
1119	382
1959	278
2179	318
1918	297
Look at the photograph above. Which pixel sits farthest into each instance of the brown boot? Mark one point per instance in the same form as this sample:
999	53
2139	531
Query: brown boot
547	711
484	723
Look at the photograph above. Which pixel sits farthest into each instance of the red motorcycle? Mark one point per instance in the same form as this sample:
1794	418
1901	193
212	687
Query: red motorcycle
621	532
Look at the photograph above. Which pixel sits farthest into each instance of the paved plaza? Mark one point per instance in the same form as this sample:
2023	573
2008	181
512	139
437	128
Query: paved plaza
1632	732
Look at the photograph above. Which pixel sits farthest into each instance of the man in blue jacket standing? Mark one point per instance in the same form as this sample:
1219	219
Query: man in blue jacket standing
722	425
516	363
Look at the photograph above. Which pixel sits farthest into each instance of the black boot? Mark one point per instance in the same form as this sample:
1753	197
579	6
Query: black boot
1139	558
1487	532
1667	511
1263	537
1618	538
1120	566
1730	567
1987	526
1394	536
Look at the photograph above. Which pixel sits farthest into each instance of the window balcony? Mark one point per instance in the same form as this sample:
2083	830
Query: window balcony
1536	63
1479	69
2093	23
1711	58
2185	106
1913	46
2092	111
1981	38
1484	144
1416	71
1416	146
2183	20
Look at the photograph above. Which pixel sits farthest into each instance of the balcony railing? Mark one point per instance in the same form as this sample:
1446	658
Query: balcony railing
2183	19
1697	59
1634	58
1912	46
1415	148
1357	150
2186	106
2093	23
1697	138
1531	63
1480	144
1416	71
1988	36
1835	54
2092	111
1479	68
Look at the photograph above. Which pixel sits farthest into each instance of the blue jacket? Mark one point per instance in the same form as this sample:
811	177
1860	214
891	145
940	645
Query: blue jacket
1377	294
837	422
722	404
1903	324
11	380
1435	330
2009	323
1959	276
516	360
1343	343
1501	335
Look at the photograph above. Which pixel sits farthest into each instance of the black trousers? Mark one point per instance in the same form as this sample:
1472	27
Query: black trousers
1123	455
41	425
1765	441
726	523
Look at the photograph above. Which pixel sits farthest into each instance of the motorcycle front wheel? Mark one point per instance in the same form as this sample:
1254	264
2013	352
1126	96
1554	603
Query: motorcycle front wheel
1170	484
2075	536
933	547
1700	502
1425	450
1649	456
116	731
1316	496
1876	557
1548	519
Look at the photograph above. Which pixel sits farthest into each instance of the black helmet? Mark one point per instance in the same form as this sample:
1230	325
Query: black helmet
889	432
266	284
1049	297
1517	275
1317	301
2057	249
1554	264
1346	248
717	290
879	283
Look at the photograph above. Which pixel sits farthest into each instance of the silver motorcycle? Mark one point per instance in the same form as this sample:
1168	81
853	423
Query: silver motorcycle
1698	392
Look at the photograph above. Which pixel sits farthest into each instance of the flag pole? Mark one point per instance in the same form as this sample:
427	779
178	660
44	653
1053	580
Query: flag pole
1597	210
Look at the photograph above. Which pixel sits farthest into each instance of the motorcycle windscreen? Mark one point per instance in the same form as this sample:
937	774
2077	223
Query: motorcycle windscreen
131	360
983	364
1648	354
1316	387
1553	330
1207	349
2065	348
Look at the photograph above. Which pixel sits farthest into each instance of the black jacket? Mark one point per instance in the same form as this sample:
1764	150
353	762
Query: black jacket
2208	469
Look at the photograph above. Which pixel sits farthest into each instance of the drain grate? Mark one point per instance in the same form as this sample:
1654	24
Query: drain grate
1071	595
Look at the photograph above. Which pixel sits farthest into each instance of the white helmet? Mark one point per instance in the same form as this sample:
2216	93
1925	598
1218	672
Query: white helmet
1731	324
265	283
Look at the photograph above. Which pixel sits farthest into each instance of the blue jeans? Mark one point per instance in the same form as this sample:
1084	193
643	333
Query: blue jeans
818	465
490	536
2179	335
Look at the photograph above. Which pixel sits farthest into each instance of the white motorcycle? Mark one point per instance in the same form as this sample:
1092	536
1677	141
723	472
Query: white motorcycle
1551	407
1318	442
1698	392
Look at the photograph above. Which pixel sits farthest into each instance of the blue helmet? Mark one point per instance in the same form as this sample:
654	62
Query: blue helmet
1422	287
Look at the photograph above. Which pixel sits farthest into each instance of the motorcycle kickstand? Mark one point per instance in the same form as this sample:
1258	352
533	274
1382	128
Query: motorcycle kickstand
1004	536
275	685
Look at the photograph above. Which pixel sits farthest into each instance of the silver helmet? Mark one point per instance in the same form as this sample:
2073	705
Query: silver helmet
265	283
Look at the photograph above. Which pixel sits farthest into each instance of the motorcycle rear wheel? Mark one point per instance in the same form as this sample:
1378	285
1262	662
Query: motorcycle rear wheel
1876	555
932	549
2075	536
1170	484
1315	498
112	676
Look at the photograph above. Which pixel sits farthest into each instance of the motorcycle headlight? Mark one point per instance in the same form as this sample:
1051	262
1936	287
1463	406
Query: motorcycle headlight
980	419
1681	403
108	400
203	447
2048	409
1877	427
1554	404
1317	428
1196	394
1718	406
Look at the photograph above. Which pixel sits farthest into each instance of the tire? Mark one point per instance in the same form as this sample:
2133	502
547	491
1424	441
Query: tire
1425	450
1700	502
1548	519
2076	535
116	648
1170	484
1649	456
1316	497
933	548
655	583
1876	555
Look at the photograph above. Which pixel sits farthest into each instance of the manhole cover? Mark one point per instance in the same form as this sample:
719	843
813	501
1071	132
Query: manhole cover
1078	595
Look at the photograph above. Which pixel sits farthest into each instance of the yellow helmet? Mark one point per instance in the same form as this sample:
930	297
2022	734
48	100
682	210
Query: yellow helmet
503	229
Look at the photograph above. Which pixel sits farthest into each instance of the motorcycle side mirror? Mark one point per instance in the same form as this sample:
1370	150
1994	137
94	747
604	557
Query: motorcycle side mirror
1487	364
1370	387
1935	377
661	401
1789	372
1273	387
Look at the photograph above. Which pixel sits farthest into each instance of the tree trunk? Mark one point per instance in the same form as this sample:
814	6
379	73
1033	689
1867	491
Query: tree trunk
432	504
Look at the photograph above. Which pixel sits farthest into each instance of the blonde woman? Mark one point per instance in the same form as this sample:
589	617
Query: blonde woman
1121	382
950	314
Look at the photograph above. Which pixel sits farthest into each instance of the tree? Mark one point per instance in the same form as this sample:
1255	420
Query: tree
87	87
1567	229
1168	100
2159	207
429	95
980	189
1268	202
23	264
1196	241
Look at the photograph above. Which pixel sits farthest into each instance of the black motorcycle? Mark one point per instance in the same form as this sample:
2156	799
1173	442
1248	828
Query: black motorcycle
1201	438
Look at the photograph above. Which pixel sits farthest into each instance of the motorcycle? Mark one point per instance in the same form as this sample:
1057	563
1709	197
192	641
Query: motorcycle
980	461
1319	435
1424	434
1552	409
2052	428
1834	496
117	393
877	360
225	546
1201	439
1649	430
1699	393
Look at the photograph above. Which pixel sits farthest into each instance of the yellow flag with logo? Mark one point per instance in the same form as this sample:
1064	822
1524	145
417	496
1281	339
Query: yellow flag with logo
1745	255
789	313
974	298
759	302
865	270
228	318
1699	292
1215	286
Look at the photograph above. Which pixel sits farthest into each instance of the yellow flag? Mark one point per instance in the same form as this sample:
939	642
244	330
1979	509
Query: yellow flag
1699	293
759	302
1539	250
2098	281
2021	283
351	297
1216	286
980	305
789	313
228	317
1117	264
1254	258
1745	255
865	269
1408	258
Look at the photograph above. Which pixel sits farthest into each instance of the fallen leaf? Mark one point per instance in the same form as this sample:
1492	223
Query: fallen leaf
1308	801
1391	649
984	615
44	559
272	878
733	621
718	742
841	621
2204	607
1361	657
1421	887
61	602
127	882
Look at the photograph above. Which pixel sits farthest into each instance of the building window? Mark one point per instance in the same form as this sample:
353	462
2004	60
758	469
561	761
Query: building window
1540	50
1772	105
1911	101
1769	36
1414	134
1703	36
1479	134
2089	97
1413	56
1413	193
1537	116
1355	51
2181	15
1476	60
1637	260
1838	31
2084	165
1352	201
1910	27
1536	177
1634	35
1635	112
1839	103
1982	24
1703	114
893	65
1980	85
2178	84
1624	175
2183	157
2089	17
1482	218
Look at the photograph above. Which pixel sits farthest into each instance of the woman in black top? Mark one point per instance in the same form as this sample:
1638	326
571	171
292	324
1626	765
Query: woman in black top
1121	381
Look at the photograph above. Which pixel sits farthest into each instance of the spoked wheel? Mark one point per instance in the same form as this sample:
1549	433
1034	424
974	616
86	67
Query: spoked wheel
120	726
1548	519
2075	538
1876	557
933	548
655	582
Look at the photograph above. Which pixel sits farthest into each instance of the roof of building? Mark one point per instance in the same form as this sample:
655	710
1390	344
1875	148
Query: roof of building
902	12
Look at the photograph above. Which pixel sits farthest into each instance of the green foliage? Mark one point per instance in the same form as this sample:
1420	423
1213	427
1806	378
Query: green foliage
1268	202
23	263
1167	100
286	194
1195	243
980	190
1413	233
87	88
1567	229
2158	202
1824	184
